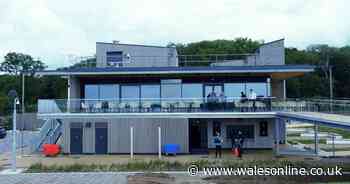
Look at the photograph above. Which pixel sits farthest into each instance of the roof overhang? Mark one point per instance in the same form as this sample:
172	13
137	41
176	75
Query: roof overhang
280	71
158	115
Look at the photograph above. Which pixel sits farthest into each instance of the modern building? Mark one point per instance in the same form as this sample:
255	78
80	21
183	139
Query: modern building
138	92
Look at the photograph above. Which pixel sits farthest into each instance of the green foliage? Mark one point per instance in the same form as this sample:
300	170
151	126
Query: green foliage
163	165
14	63
47	87
316	84
236	46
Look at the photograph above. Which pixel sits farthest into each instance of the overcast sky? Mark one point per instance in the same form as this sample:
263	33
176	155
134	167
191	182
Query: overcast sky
57	30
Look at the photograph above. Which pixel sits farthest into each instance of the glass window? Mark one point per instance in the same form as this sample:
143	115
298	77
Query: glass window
247	131
150	95
114	58
171	93
192	90
109	91
259	88
91	91
192	95
171	90
130	95
130	92
233	90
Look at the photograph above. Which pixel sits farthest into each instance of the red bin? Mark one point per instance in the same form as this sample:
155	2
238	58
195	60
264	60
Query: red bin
51	149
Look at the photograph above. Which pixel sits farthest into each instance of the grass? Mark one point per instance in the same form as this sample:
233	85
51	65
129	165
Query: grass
293	134
161	165
306	141
344	133
336	149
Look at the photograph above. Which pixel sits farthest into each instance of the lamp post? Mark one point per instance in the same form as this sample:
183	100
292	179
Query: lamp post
13	96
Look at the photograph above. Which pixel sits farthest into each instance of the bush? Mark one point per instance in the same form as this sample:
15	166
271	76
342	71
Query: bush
160	165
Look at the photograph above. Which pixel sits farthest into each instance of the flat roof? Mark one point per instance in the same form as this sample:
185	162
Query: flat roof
282	69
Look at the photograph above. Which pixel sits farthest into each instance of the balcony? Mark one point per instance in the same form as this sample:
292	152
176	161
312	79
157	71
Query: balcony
190	105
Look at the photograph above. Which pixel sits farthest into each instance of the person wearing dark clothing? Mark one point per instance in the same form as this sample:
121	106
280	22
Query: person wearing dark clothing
240	140
218	144
243	100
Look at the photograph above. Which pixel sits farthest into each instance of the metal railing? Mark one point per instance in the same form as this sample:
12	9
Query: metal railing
183	60
49	133
146	105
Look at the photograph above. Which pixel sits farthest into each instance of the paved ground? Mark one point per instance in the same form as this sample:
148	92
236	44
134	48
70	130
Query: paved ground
6	143
64	178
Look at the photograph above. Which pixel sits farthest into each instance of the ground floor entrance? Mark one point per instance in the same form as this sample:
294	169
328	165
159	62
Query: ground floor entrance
198	136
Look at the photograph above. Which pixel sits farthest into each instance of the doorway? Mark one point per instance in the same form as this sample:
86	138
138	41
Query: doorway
76	138
198	136
101	138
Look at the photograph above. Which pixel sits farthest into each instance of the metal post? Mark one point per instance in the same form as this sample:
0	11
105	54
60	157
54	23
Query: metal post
159	143
68	94
131	142
333	146
331	88
277	135
14	136
23	111
316	138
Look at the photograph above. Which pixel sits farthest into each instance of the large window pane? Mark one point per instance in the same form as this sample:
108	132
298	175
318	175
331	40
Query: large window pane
91	91
109	91
192	95
233	90
192	90
171	90
171	93
259	88
130	95
150	95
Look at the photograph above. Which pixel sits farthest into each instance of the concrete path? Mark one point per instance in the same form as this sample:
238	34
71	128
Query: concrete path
64	178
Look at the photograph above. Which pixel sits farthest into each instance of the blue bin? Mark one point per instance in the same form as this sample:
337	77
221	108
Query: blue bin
171	149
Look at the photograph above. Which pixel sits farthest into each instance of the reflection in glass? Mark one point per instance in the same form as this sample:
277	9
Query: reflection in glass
130	96
233	90
150	95
91	91
171	93
259	88
192	94
109	92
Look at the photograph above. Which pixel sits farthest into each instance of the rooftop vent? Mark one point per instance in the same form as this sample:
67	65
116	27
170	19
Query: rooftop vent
116	42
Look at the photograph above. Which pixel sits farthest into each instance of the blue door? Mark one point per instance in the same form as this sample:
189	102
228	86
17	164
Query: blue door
101	138
76	140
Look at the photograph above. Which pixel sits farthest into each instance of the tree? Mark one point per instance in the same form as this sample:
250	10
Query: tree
84	62
14	63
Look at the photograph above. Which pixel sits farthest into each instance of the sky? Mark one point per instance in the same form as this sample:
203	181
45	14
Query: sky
59	32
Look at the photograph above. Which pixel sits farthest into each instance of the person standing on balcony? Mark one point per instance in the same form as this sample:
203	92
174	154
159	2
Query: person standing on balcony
243	99
218	145
211	99
252	97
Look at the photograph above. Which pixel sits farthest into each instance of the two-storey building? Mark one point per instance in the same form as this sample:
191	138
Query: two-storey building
189	98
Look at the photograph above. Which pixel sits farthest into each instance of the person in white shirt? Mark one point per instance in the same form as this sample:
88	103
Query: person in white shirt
252	97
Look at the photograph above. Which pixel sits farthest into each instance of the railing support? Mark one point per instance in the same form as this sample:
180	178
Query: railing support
159	143
131	142
316	138
277	136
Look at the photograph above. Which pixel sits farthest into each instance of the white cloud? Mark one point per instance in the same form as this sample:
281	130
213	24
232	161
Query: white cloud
53	29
